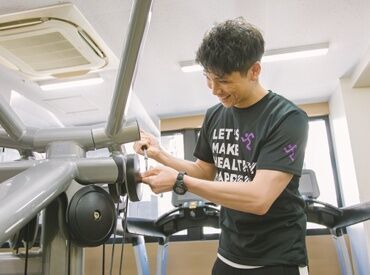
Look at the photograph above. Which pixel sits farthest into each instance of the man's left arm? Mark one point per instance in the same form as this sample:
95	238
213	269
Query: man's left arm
254	197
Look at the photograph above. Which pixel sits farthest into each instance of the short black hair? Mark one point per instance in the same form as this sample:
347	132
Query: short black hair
231	46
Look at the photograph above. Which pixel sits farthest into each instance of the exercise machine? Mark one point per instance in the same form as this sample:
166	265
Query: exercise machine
336	219
77	212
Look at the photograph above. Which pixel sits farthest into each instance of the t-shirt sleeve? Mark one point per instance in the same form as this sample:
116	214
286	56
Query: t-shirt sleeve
285	146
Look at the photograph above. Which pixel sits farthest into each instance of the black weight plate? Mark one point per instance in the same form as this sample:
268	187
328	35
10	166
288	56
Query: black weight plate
133	178
91	216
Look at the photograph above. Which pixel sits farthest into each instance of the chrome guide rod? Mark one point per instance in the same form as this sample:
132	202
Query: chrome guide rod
139	20
26	194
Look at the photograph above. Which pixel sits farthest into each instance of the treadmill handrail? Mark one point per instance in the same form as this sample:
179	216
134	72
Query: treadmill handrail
327	206
353	214
336	217
173	221
184	219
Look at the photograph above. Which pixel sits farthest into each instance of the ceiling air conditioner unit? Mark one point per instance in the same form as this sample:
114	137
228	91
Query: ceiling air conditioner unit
52	42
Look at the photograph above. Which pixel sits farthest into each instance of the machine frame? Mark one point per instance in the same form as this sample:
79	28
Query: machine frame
29	186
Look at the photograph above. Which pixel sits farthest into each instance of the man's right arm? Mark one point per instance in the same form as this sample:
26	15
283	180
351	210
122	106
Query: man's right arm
198	169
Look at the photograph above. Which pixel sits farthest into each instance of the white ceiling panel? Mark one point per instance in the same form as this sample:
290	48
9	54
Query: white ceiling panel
72	104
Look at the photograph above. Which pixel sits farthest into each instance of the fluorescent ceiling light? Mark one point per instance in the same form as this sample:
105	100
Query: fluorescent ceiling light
190	66
273	55
295	52
49	86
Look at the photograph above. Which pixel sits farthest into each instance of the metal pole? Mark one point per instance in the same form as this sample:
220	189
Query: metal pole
343	255
139	19
13	168
141	257
26	194
97	170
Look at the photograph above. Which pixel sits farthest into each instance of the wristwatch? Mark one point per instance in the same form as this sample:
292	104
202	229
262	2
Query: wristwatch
179	187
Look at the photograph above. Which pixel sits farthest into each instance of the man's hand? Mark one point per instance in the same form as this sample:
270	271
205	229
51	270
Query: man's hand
149	142
160	179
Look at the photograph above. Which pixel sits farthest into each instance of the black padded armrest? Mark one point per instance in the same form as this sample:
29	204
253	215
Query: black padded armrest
178	219
322	213
336	218
145	227
327	207
353	214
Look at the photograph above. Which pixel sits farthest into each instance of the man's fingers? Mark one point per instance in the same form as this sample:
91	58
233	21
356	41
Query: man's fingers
139	145
150	180
150	172
146	180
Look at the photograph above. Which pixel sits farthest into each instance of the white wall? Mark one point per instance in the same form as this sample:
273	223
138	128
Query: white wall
7	84
349	115
357	105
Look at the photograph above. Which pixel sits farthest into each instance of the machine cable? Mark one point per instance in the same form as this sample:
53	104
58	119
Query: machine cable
123	234
69	256
114	242
26	236
26	257
103	262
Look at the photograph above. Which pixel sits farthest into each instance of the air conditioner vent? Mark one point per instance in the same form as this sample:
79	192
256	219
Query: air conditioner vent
45	47
45	52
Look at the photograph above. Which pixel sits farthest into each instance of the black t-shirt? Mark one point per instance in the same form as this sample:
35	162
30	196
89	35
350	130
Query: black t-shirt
271	134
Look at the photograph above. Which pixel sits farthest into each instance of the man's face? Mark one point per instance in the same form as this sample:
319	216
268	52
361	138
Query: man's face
231	89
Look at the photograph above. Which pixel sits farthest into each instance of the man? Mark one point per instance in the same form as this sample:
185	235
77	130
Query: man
249	159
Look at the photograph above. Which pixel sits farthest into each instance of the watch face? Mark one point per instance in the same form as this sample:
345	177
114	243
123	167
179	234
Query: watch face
179	190
179	186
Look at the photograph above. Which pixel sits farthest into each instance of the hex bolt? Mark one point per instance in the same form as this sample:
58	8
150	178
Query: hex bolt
97	215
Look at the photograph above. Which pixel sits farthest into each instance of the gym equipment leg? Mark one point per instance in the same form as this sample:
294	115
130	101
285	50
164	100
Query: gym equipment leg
141	257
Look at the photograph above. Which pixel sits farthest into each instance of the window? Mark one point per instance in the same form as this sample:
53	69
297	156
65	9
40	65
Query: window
7	154
173	143
320	159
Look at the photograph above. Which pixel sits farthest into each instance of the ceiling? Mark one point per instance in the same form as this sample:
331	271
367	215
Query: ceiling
175	31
